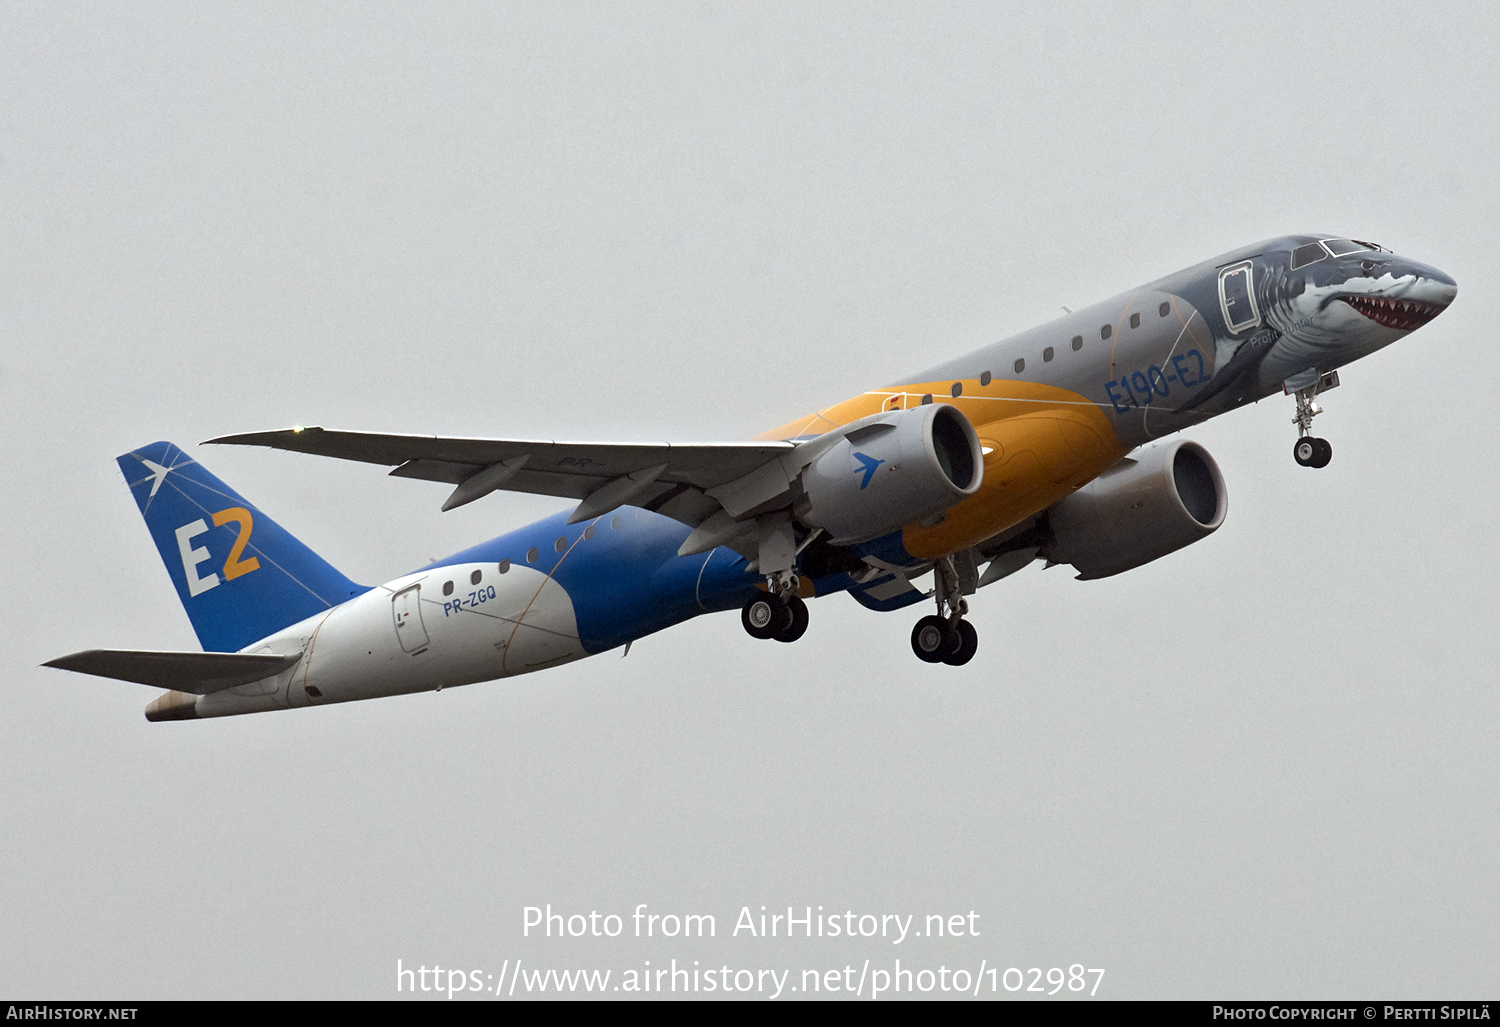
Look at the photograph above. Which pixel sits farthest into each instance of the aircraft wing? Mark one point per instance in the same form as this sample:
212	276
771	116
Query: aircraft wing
688	482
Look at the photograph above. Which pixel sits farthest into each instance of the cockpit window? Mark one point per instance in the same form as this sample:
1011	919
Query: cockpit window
1309	254
1339	247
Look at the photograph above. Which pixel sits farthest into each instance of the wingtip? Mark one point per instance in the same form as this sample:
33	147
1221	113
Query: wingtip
69	661
260	438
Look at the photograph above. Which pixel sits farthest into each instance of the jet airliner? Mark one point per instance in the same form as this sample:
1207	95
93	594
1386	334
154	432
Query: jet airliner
1040	447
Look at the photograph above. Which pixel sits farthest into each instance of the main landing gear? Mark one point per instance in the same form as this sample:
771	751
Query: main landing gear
945	637
777	612
772	616
1309	451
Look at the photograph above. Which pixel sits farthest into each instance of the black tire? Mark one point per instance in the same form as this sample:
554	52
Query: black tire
932	639
1305	451
798	627
765	616
968	645
1324	454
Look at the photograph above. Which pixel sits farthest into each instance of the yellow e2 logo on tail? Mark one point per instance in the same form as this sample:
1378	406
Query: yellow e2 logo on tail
233	567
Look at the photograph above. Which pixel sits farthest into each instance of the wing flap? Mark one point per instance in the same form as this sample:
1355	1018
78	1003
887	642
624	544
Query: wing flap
198	673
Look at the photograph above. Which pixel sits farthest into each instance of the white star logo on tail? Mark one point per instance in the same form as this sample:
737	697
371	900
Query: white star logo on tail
158	471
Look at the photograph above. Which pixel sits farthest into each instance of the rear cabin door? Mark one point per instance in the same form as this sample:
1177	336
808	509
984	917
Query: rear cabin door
406	608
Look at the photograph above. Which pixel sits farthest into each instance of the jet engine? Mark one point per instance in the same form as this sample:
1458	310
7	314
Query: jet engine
890	471
1140	509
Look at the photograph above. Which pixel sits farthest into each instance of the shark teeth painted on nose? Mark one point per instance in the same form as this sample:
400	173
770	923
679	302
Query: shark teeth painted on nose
1403	315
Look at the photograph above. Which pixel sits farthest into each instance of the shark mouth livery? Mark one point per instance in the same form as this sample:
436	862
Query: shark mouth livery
1402	315
1049	445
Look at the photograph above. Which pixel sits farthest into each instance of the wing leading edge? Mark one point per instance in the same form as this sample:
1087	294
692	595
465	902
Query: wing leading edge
671	479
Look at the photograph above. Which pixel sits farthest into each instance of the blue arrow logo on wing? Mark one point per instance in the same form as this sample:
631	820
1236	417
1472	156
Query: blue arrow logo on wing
870	464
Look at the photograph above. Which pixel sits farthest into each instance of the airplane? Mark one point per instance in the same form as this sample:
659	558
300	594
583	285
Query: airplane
1040	447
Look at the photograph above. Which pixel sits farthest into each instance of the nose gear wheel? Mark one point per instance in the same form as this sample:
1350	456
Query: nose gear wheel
1312	452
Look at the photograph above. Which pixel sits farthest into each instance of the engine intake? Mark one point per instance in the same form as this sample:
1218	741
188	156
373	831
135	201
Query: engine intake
1139	510
892	470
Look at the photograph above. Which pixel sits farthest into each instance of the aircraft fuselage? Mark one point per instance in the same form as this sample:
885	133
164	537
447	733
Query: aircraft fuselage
1053	407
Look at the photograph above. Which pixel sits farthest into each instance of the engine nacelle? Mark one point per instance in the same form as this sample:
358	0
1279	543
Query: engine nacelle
1167	498
892	470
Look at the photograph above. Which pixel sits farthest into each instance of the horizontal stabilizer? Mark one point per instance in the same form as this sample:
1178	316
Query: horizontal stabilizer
198	673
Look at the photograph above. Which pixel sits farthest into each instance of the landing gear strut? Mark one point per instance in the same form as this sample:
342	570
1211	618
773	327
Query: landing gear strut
1309	451
945	637
777	612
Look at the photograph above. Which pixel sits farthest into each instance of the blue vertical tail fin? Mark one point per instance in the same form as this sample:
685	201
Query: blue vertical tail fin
239	574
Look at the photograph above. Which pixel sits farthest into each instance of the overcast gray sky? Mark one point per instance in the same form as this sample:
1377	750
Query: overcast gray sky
1261	767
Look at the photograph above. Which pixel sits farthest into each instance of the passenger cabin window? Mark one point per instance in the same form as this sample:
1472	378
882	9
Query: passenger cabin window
984	379
531	555
1135	320
1164	309
1339	247
615	522
1047	354
1077	342
474	578
588	532
1305	255
1106	331
958	389
561	543
504	566
927	399
1020	365
447	588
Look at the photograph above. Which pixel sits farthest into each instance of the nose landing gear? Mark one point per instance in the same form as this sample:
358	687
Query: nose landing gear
945	637
1307	450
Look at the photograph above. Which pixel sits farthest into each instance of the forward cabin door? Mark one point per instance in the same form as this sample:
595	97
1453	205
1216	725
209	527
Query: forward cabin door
1237	297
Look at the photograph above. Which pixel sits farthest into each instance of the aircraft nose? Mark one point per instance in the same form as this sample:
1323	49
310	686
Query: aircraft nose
1436	287
1405	295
